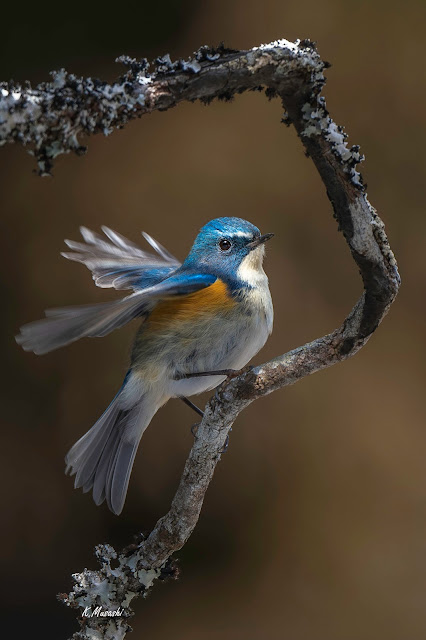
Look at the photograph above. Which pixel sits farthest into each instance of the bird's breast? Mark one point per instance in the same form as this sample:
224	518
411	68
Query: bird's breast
213	299
205	331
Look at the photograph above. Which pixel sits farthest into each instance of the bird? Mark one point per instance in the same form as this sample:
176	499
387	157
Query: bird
200	320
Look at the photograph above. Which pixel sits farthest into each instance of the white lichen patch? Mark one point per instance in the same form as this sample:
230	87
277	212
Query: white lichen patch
129	597
302	51
147	577
131	562
59	78
319	123
279	44
115	631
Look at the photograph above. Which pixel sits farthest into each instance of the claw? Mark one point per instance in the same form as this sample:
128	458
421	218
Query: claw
226	445
194	429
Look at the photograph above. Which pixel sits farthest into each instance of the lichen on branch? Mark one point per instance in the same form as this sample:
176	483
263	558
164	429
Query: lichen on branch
53	117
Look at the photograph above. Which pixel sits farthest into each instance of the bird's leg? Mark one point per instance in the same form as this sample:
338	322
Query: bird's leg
195	426
229	373
193	406
197	410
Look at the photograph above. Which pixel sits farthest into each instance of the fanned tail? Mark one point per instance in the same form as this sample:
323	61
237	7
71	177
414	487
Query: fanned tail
103	458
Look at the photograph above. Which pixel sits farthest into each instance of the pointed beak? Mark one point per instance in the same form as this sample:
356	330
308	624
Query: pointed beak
260	240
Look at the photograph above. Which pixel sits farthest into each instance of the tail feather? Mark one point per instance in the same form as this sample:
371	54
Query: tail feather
87	451
100	432
103	458
118	480
103	468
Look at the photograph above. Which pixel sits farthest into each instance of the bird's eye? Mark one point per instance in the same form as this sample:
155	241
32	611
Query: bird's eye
225	244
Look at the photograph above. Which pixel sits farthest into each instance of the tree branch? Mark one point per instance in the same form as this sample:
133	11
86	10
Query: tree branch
50	119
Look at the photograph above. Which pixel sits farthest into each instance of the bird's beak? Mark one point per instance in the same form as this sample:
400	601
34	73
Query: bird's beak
260	240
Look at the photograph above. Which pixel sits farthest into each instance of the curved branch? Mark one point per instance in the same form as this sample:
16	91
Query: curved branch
52	116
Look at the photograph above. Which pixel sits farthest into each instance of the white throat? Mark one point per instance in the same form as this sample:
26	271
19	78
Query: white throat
251	269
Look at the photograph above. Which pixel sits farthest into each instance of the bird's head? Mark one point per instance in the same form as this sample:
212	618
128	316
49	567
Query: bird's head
231	246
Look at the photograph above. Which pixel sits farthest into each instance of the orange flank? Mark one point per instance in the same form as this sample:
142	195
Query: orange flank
212	298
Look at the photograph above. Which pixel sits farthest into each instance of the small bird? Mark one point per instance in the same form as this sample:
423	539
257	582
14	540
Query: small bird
201	320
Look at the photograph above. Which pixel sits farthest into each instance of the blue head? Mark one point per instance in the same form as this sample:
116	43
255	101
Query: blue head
229	247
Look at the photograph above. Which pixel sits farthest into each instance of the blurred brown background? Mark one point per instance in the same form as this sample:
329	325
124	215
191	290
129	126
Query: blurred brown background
314	527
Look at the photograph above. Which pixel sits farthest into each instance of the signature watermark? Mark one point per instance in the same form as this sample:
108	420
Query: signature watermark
100	612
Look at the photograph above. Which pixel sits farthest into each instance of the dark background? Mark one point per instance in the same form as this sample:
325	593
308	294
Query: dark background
314	527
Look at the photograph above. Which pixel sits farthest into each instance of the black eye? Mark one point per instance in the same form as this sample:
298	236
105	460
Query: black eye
225	244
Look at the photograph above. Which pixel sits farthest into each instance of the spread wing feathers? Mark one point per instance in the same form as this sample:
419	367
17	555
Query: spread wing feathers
117	262
68	324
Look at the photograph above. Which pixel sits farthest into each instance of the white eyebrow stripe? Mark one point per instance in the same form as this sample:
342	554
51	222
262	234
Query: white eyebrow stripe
236	234
242	234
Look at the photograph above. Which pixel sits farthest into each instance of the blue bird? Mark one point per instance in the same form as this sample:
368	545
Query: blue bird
200	319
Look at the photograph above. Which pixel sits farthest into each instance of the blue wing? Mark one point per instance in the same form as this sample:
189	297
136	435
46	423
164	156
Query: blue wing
68	324
119	263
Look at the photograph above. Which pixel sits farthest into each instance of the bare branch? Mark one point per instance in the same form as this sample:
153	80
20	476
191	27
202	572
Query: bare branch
51	117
